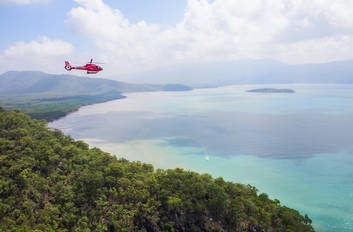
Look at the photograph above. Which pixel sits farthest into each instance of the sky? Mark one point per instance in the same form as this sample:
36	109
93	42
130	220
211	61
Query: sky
136	36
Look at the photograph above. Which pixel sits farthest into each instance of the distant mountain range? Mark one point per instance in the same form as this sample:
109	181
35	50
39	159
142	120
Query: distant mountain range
247	72
48	96
34	83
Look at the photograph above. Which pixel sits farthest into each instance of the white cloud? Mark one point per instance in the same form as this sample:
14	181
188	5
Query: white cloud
22	2
325	49
44	54
294	31
44	48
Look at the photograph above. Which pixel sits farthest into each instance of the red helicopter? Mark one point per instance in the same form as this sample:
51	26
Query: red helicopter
91	68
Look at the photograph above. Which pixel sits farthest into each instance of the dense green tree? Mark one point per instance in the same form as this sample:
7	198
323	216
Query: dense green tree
49	182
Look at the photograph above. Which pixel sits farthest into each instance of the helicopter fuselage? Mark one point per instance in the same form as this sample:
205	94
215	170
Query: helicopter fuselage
91	68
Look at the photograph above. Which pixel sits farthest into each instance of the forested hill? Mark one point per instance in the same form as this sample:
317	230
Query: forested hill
49	182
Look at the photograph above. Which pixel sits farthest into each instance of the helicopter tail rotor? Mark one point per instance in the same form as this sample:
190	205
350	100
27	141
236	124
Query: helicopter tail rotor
68	66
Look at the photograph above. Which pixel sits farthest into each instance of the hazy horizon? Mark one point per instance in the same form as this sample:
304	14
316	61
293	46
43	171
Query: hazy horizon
221	73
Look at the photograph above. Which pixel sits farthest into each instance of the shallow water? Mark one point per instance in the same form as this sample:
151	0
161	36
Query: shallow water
295	147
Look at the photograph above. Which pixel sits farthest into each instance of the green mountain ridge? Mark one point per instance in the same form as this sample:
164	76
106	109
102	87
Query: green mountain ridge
49	182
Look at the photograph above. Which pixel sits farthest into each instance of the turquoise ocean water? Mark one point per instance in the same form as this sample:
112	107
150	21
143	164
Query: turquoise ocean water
295	147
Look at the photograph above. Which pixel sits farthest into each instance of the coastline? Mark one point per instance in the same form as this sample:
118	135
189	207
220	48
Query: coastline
78	107
175	110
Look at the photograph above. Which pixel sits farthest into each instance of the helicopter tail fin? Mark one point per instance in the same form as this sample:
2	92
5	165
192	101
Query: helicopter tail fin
68	66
